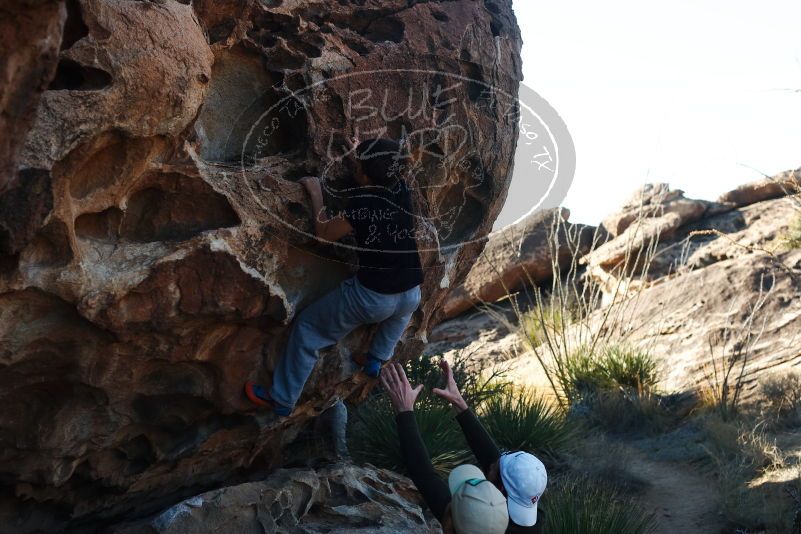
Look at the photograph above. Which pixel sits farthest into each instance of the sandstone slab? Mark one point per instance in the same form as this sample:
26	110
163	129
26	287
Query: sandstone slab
522	254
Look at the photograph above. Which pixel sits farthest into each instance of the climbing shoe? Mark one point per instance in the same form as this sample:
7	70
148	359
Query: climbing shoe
259	396
372	367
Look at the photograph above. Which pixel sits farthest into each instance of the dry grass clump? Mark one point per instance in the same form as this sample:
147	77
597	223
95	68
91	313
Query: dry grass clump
748	464
582	505
780	400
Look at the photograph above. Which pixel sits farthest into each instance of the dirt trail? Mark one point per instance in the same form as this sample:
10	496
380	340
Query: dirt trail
683	500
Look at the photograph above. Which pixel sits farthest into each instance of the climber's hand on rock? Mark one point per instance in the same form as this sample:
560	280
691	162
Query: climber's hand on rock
401	394
451	391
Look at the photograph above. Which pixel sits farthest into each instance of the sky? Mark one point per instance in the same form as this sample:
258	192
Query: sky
702	94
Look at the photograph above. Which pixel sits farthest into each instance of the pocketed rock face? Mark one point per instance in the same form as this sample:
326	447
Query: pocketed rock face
340	498
154	250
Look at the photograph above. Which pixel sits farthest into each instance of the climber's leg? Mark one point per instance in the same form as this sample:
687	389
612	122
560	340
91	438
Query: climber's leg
391	330
320	325
334	422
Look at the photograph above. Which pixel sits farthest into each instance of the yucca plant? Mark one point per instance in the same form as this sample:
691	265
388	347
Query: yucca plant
582	375
630	368
476	382
373	436
585	373
521	420
578	505
581	313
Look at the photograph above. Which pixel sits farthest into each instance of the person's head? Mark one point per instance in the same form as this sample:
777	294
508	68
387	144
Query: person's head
523	478
378	162
477	506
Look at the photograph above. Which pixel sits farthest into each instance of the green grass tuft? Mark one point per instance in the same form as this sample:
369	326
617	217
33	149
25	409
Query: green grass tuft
373	437
520	420
578	505
587	373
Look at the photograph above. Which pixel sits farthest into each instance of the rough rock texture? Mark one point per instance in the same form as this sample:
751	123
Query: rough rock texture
31	33
737	288
678	318
668	229
785	183
734	291
519	255
342	498
154	249
654	212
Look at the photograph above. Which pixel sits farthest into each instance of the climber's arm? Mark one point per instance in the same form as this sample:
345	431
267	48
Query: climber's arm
325	227
481	443
418	464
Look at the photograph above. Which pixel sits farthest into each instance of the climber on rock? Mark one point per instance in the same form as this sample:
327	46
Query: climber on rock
386	288
520	476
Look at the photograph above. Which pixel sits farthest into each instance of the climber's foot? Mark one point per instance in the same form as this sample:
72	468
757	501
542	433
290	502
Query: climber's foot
373	367
259	396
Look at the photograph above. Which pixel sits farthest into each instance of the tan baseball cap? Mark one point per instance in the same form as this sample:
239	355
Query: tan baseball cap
477	506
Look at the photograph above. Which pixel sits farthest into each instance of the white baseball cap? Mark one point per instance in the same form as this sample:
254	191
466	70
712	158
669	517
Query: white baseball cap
477	506
524	478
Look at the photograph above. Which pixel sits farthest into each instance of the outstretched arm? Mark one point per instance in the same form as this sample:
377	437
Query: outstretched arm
433	489
477	437
327	228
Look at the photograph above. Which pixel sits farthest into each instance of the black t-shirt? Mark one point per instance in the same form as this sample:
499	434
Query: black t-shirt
383	227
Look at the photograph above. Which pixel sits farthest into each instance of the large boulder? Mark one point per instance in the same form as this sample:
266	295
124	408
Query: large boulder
525	253
341	498
157	246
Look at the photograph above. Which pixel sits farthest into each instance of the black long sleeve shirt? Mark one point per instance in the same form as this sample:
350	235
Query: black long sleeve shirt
434	490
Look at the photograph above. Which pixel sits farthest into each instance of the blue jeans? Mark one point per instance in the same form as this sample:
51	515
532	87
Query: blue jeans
331	318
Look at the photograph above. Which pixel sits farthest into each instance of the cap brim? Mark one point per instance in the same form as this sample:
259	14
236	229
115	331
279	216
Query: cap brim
462	473
525	516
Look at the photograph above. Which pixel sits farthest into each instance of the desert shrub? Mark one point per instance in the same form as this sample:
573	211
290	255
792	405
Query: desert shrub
615	388
580	505
588	373
583	376
751	448
518	420
477	382
630	368
751	498
780	400
521	420
626	410
373	436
